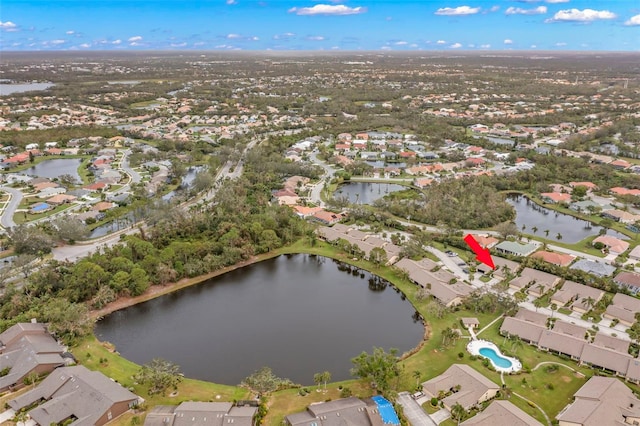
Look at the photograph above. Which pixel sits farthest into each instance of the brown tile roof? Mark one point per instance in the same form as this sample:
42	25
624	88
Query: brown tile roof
559	259
501	413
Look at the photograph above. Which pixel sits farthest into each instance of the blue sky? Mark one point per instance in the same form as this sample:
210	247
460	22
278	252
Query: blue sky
447	25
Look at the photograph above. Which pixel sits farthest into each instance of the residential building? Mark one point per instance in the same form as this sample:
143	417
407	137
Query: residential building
515	248
347	411
555	197
536	282
615	245
630	280
559	259
576	296
504	267
620	216
200	413
464	385
624	308
78	394
600	269
601	401
501	413
27	348
440	284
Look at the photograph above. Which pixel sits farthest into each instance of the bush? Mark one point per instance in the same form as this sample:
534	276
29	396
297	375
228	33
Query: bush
345	392
550	386
460	355
434	402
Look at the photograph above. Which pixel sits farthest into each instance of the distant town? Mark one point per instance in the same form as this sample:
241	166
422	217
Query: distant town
164	219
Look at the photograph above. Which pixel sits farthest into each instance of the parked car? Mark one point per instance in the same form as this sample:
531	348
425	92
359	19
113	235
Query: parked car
417	395
451	254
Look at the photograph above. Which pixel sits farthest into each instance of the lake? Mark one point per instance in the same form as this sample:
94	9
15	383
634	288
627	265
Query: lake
298	314
10	89
366	192
572	229
55	168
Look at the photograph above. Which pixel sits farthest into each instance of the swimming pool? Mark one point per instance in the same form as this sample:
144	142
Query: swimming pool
386	410
490	351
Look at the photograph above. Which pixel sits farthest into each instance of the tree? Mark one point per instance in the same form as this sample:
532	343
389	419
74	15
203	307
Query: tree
67	180
546	233
69	228
416	375
458	412
379	368
160	375
507	229
589	302
449	336
559	236
30	239
534	229
378	256
323	377
264	381
67	320
25	263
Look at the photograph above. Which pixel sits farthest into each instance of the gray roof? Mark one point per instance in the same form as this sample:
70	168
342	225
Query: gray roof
192	413
597	268
606	358
571	290
562	343
341	412
76	391
523	329
564	327
473	385
531	316
610	342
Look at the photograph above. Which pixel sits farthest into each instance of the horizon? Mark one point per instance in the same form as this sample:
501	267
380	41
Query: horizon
325	25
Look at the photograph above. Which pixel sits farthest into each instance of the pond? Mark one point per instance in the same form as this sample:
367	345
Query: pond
572	229
298	314
366	192
55	168
10	89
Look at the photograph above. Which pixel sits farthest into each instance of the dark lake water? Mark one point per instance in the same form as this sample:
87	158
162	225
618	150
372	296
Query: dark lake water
366	192
55	168
297	314
572	229
9	89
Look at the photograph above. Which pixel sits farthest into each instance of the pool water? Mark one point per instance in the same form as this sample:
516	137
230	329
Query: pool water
497	359
386	410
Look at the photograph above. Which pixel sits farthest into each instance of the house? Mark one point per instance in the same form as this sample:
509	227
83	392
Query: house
27	348
464	386
78	394
620	216
615	245
527	331
59	199
346	411
624	308
327	218
635	253
565	344
600	269
501	413
601	401
200	413
470	323
629	280
486	241
538	282
620	164
589	185
438	283
575	294
103	206
515	248
555	197
559	259
624	191
504	267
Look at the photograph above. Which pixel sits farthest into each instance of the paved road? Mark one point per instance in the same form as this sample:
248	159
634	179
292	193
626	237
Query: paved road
413	411
124	165
6	220
316	190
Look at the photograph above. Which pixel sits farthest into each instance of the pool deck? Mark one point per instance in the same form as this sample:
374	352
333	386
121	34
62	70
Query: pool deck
474	349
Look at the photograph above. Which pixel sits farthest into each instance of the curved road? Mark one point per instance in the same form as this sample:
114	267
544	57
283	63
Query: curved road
6	220
124	165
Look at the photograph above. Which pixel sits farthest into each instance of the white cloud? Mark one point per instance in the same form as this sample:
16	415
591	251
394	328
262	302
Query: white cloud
533	46
315	38
183	44
401	43
8	26
413	45
70	32
494	8
385	48
232	36
557	1
283	36
633	21
85	45
485	46
58	42
135	43
561	44
576	15
461	10
232	2
508	41
441	42
254	38
135	38
455	46
118	41
328	9
540	10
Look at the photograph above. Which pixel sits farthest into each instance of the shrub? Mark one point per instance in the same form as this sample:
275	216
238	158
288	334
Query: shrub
434	402
345	392
460	355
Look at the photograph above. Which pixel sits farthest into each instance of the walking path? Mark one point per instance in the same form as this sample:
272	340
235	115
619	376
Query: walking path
534	405
540	364
489	325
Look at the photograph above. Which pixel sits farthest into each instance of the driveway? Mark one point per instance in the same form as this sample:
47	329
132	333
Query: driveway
413	411
7	415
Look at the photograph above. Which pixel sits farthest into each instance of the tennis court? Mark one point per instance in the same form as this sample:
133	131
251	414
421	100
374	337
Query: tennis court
387	413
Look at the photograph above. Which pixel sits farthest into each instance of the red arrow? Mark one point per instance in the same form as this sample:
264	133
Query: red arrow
482	254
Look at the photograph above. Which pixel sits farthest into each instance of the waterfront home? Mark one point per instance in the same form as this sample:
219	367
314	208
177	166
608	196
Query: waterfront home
347	411
27	348
78	394
515	248
462	385
327	218
576	296
486	241
624	308
559	259
615	245
201	413
438	283
555	197
620	216
601	401
630	280
501	413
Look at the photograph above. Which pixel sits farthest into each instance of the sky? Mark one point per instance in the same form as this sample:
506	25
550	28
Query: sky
447	25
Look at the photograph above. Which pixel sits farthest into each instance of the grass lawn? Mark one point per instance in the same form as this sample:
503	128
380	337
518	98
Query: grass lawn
90	351
21	217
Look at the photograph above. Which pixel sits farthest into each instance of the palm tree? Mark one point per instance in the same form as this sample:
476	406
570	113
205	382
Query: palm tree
534	229
516	343
559	236
416	375
546	233
524	227
458	412
589	302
